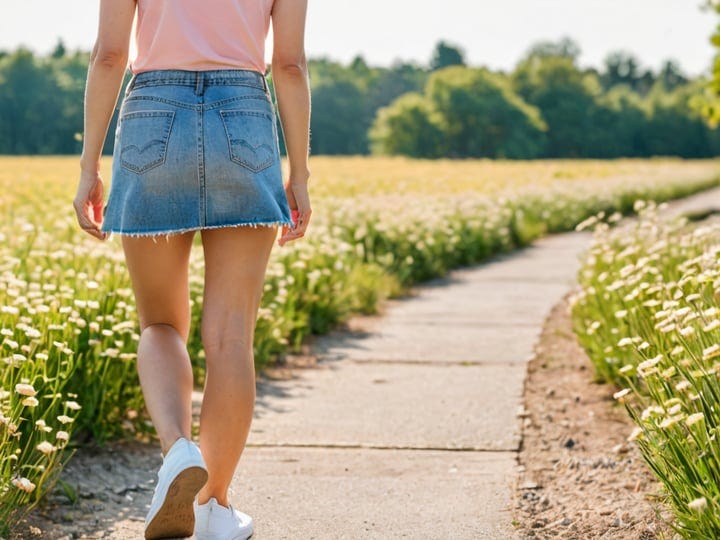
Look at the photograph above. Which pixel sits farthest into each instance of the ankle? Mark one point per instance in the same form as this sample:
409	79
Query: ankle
204	495
167	442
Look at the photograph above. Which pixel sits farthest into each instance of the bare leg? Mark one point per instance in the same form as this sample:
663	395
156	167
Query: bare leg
159	272
235	264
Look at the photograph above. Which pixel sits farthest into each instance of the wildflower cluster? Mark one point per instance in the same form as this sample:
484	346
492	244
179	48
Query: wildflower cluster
648	315
68	326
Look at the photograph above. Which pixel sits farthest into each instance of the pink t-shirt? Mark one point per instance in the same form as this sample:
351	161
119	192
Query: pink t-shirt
201	35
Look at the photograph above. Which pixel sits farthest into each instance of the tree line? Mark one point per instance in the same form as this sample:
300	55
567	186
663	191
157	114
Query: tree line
546	107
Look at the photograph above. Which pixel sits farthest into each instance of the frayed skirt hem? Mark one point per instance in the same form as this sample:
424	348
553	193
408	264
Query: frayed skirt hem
173	232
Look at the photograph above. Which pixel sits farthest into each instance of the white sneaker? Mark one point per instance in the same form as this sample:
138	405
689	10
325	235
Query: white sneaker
214	521
181	476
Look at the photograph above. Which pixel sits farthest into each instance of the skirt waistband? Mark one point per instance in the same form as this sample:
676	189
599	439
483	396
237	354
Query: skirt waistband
199	79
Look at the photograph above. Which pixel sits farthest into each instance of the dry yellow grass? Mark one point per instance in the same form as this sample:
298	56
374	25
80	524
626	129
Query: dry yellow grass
361	175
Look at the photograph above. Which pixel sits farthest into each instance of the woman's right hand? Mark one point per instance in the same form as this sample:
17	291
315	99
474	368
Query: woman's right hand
299	200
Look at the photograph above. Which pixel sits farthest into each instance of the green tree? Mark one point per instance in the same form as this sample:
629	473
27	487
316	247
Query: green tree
617	122
409	126
464	112
25	104
566	99
59	50
338	125
675	126
565	48
445	55
621	67
672	76
483	117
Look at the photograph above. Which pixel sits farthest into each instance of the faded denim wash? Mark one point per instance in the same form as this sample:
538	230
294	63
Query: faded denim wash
195	150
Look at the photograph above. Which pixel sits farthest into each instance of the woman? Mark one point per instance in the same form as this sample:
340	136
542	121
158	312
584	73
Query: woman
196	149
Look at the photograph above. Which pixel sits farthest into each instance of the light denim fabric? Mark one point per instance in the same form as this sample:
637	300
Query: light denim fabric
195	150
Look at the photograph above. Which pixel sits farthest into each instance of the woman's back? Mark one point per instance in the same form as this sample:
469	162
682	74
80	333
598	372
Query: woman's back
192	35
196	148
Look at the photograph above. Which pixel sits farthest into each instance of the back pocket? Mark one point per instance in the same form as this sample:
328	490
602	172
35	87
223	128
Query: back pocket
144	139
250	137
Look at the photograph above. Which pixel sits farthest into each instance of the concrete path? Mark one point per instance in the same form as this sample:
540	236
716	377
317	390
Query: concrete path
409	427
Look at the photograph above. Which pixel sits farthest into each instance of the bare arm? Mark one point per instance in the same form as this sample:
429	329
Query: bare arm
108	62
291	81
292	89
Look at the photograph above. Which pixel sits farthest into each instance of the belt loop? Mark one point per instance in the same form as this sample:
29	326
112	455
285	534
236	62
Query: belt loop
130	84
265	83
199	82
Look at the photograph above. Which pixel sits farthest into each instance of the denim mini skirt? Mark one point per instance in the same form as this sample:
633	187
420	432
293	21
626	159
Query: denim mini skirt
195	150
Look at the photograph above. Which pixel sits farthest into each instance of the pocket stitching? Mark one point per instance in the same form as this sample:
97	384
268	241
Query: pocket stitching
164	141
238	158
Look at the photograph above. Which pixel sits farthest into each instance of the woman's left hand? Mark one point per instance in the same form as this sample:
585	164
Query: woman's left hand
89	202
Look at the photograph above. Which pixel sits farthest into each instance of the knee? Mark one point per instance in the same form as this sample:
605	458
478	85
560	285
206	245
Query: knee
229	337
158	326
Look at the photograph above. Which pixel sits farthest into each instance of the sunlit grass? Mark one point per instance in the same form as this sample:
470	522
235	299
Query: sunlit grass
67	315
648	314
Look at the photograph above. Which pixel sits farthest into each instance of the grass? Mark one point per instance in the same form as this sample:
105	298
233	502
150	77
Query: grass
648	315
69	325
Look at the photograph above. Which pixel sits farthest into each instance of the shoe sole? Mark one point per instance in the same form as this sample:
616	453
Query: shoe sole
176	517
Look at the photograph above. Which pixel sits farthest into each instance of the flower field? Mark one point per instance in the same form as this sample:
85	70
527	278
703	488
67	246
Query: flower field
67	318
648	315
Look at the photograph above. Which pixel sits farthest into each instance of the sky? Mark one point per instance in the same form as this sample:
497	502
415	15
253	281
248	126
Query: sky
493	33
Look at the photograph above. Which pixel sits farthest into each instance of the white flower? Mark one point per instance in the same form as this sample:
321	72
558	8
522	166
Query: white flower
33	333
650	362
73	405
678	349
711	352
699	505
42	426
687	331
675	409
622	393
666	329
30	402
64	419
669	372
670	421
682	386
25	389
652	410
24	484
46	448
712	325
62	436
694	418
